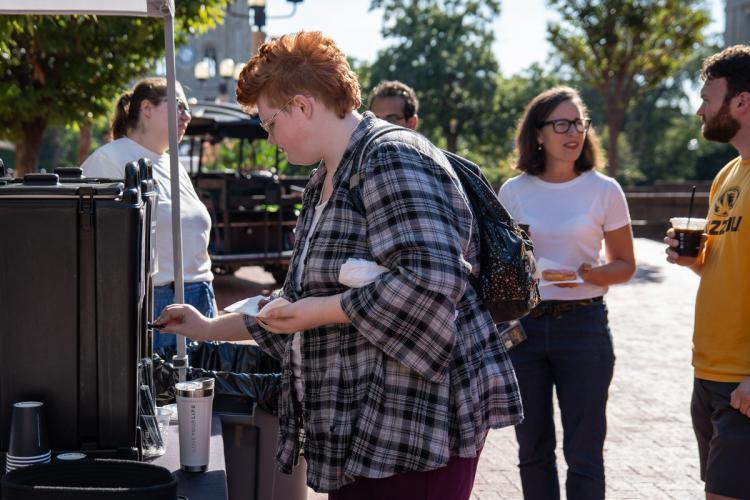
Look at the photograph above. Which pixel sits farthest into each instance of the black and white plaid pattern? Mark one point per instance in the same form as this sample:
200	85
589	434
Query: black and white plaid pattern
420	374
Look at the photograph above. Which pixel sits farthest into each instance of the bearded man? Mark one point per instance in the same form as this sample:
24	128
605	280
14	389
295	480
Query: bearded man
720	406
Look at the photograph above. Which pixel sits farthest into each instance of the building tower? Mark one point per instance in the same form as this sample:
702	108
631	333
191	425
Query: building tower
737	22
232	40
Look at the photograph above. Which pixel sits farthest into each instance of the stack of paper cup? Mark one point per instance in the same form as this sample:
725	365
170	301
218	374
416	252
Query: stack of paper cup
28	436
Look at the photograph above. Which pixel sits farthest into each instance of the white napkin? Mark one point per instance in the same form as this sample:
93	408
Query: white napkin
246	306
250	306
356	273
543	264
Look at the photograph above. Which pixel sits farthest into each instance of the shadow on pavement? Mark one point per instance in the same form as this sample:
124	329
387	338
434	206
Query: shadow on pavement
646	273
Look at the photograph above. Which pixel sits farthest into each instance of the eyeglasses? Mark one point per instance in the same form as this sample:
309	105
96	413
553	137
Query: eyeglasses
268	125
182	107
562	125
393	118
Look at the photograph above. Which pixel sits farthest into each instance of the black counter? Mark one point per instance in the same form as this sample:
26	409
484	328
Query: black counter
209	485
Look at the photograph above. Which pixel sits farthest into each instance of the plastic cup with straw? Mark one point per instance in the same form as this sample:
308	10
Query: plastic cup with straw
690	207
688	231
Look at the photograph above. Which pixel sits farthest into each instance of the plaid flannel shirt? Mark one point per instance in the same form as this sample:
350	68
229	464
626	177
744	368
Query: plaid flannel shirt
420	374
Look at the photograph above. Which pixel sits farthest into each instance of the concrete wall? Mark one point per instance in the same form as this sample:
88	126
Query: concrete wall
652	207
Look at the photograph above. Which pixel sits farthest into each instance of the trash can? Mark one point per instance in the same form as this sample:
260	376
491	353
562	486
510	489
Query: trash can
245	396
90	480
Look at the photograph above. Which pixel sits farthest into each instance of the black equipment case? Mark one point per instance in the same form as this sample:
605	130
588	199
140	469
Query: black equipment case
75	269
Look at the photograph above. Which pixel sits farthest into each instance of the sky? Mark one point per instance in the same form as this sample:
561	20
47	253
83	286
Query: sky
357	30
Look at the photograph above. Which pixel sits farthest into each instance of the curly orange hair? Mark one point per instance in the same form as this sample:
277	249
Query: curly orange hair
307	63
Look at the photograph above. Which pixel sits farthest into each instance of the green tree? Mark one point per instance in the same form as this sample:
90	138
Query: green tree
664	133
63	69
623	48
443	50
513	94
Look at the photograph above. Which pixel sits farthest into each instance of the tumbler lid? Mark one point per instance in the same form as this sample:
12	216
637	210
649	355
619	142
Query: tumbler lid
198	388
28	404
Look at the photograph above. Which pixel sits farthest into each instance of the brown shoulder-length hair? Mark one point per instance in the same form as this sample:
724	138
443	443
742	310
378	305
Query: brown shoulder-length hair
307	63
529	156
128	107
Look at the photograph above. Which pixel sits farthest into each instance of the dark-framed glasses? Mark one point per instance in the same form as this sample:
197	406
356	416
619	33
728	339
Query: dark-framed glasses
562	125
182	107
393	118
268	124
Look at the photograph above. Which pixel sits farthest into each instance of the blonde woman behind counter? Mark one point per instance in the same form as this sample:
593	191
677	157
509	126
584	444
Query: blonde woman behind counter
139	129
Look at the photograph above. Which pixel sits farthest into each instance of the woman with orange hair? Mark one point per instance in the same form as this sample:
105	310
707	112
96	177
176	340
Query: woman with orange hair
390	387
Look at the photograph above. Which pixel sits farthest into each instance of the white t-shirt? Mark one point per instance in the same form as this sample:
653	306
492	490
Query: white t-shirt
567	221
109	161
297	340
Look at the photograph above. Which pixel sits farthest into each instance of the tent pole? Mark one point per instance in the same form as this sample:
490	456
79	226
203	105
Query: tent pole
180	359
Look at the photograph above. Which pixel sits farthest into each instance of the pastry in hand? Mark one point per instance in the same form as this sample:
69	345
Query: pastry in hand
559	274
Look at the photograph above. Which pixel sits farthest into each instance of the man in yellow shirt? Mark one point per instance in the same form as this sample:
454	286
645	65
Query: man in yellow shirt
720	406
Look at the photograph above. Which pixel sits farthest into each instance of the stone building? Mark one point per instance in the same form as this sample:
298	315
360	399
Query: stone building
737	22
232	40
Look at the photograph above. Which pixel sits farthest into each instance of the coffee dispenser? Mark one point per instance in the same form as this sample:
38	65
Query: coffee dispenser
75	269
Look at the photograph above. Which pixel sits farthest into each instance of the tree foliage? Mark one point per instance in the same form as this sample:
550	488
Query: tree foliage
665	135
623	48
442	48
62	69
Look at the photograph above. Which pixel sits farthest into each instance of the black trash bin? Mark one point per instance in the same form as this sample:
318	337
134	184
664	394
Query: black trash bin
90	480
245	396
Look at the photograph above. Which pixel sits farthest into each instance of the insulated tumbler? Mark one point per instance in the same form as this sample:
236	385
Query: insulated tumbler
194	402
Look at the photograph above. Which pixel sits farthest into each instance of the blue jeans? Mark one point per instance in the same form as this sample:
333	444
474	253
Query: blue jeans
199	295
572	352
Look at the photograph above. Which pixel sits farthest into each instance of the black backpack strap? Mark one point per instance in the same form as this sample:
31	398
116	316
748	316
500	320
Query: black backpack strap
356	176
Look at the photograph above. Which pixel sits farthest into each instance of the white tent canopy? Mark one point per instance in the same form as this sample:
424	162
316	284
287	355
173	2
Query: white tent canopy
122	7
153	8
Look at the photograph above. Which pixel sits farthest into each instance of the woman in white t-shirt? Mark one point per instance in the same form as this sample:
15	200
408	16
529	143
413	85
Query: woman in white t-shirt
570	209
139	130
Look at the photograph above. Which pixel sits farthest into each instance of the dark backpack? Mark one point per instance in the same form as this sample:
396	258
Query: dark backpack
506	282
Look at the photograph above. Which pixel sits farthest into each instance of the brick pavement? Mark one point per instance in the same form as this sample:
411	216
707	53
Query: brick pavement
650	451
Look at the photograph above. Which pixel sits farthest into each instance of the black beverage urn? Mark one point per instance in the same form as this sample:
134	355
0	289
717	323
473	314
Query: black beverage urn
75	278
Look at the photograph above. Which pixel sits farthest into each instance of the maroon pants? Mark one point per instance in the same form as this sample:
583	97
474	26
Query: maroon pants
452	482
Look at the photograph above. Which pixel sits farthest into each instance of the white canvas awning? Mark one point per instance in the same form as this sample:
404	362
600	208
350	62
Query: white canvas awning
62	7
150	8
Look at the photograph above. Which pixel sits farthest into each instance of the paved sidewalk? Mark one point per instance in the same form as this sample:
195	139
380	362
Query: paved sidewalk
650	451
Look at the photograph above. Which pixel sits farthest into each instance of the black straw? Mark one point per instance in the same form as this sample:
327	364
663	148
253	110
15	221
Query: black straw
690	209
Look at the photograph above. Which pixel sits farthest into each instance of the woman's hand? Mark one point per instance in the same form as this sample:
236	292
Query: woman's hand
185	320
584	271
619	257
304	314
